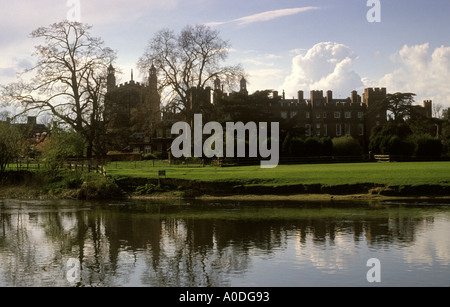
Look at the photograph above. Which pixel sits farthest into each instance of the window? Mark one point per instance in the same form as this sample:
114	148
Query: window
325	130
283	115
293	113
360	115
159	133
136	149
348	114
347	129
147	139
317	115
318	129
337	114
148	149
324	114
168	133
160	147
377	123
308	130
338	130
308	115
361	129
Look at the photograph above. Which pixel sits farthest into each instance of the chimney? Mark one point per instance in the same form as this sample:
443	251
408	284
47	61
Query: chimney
31	120
329	96
300	96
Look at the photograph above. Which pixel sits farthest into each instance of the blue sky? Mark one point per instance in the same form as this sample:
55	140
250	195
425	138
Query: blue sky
283	45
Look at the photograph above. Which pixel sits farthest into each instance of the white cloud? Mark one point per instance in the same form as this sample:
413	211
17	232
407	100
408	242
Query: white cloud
264	78
326	66
422	71
265	16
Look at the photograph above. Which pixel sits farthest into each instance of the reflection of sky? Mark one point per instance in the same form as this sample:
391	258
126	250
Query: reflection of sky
296	261
343	261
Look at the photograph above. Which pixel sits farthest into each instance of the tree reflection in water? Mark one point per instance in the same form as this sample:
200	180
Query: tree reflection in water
196	244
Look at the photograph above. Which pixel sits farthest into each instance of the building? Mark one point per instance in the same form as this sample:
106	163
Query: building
136	122
133	115
322	115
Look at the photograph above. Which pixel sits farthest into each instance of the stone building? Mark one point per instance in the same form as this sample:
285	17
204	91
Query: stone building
133	115
321	114
324	116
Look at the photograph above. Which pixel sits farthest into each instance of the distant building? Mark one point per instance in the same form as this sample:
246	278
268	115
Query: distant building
31	128
133	115
136	122
324	116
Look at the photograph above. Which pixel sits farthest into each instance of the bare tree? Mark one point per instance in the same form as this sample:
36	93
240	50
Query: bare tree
191	59
437	110
69	78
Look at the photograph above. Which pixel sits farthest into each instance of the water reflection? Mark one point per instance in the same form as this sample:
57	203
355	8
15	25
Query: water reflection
219	244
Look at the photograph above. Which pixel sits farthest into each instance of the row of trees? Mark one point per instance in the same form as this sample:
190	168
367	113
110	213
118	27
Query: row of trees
294	146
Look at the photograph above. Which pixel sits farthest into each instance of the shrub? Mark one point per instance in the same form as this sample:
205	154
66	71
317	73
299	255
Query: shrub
346	146
394	145
149	156
297	147
98	187
426	145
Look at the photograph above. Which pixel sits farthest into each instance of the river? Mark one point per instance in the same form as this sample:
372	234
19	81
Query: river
180	243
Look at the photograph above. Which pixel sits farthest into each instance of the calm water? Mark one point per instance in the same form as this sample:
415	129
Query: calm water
226	243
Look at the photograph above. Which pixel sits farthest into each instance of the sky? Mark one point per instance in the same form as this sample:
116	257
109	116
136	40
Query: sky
290	45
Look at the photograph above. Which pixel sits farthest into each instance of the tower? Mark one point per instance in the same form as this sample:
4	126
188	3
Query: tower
243	86
428	107
154	99
111	78
152	78
217	84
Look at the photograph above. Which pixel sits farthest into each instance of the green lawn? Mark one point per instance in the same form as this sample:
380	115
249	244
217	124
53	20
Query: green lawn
405	173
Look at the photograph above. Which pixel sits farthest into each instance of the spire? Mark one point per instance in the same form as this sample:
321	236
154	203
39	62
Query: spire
152	78
111	79
217	84
131	74
111	69
243	85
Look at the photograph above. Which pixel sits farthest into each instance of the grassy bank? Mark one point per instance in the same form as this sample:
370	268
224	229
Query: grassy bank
37	184
405	173
406	178
304	181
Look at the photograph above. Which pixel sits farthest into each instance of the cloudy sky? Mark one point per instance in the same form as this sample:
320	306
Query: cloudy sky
286	45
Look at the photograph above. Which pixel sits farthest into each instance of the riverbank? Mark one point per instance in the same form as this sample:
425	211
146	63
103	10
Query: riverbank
368	181
98	187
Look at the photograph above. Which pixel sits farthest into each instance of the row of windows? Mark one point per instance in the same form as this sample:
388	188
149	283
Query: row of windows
148	149
159	135
285	114
322	130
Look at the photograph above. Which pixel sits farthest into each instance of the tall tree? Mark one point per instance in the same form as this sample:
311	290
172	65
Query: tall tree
11	143
398	105
190	59
68	79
